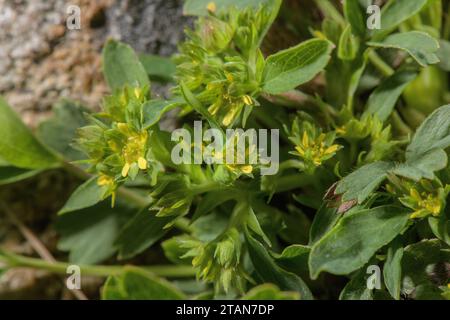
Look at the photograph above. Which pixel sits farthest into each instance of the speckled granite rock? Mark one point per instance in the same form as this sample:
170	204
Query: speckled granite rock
41	61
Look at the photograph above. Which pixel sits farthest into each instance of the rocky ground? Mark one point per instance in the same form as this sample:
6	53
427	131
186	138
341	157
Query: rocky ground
42	61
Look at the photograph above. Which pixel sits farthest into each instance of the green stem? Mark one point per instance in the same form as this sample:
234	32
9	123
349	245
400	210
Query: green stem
446	30
330	11
292	181
207	187
385	69
269	122
447	97
299	100
353	151
400	126
13	260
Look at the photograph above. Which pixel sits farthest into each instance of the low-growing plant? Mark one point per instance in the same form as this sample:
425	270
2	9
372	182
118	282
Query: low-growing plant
363	142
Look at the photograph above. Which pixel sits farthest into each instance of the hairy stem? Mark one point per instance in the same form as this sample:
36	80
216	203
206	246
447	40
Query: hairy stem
385	69
293	181
14	260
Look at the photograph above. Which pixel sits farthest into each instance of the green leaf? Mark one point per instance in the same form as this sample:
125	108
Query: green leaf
158	68
153	110
113	289
199	7
89	234
440	226
355	77
433	133
173	251
355	239
210	226
210	201
419	45
59	131
253	224
18	146
121	66
292	67
359	184
10	174
86	195
294	258
324	220
141	232
423	265
197	106
397	11
348	45
296	225
392	270
355	16
423	166
138	284
382	101
356	288
269	271
269	291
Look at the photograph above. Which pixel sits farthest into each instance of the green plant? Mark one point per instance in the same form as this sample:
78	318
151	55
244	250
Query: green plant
363	176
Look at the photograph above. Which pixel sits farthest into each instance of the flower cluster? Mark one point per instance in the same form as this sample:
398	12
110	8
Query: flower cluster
115	141
218	261
243	162
425	198
221	63
311	144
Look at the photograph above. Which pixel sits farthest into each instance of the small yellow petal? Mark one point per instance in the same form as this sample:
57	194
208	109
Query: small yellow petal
247	100
211	7
137	92
341	130
228	119
317	161
122	126
142	163
247	169
435	209
305	139
102	181
300	150
332	149
125	169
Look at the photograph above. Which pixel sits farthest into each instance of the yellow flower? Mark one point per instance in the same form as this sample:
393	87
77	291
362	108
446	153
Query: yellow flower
211	7
314	147
426	204
142	163
341	130
247	100
425	197
104	180
133	151
125	169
